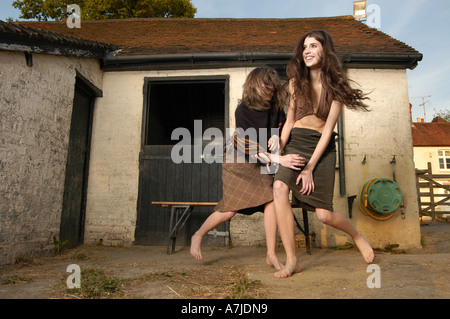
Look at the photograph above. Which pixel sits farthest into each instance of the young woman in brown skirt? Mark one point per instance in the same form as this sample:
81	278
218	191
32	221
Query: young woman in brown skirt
247	186
318	90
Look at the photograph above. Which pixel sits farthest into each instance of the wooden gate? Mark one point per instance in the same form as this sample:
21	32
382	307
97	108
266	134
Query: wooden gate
433	194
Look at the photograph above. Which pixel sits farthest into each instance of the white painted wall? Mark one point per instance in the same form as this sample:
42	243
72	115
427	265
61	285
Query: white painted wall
378	135
116	141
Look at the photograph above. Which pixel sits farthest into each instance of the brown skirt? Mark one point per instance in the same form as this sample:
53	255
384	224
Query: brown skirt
245	189
304	141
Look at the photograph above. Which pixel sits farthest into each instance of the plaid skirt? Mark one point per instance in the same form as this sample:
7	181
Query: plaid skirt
304	141
245	189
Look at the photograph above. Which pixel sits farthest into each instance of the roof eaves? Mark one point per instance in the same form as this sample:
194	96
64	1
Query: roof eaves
113	62
381	61
15	37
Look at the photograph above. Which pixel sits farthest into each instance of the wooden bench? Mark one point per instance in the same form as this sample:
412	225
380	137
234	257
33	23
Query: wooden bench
181	211
179	214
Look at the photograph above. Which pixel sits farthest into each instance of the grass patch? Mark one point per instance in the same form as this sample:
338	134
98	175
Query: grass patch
199	283
243	289
15	280
95	284
391	249
346	246
224	283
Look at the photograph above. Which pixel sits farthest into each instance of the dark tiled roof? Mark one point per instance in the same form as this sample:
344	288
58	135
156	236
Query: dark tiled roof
26	38
436	133
179	36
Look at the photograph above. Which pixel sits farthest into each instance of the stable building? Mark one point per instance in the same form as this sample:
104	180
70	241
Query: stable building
156	75
49	85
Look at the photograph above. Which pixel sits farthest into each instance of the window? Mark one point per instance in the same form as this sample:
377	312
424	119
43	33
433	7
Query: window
444	159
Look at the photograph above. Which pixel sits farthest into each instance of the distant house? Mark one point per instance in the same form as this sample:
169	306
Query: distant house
431	143
153	76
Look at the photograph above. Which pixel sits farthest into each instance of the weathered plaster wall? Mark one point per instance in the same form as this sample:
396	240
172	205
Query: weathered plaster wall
116	140
379	135
35	113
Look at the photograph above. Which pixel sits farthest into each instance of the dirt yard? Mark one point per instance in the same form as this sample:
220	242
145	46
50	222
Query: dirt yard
143	272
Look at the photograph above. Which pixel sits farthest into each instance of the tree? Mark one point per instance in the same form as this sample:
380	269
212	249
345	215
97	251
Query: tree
41	9
174	9
44	10
445	114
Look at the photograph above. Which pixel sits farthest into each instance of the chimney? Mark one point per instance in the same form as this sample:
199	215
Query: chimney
410	111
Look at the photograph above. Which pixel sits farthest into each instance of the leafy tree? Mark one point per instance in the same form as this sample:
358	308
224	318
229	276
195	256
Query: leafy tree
174	9
41	9
445	114
44	10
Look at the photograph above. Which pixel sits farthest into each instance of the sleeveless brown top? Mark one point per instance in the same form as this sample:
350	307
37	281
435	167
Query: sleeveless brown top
302	109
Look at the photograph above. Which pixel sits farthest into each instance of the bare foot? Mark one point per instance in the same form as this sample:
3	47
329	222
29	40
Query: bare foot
364	248
273	261
288	270
196	246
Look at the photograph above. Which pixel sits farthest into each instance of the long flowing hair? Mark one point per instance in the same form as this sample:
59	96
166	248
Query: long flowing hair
264	80
334	81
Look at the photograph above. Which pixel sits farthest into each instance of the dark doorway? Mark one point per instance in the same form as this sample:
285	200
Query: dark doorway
74	198
170	104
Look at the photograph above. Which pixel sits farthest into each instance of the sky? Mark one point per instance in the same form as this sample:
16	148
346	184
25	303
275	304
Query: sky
422	24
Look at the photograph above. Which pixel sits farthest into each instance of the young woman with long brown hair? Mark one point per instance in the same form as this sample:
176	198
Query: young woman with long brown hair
245	189
318	90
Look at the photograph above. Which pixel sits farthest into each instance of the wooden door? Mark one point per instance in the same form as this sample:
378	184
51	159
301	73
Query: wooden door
74	198
170	104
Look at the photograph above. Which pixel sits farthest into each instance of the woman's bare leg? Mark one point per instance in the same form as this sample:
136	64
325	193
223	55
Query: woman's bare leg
285	223
270	226
338	221
214	220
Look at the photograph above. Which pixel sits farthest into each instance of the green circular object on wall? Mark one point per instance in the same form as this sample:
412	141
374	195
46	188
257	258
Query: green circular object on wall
384	195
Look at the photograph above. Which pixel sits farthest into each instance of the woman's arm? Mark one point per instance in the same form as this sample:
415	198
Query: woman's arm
289	124
306	175
292	161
